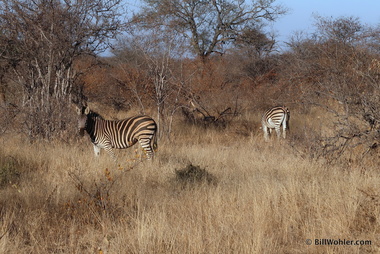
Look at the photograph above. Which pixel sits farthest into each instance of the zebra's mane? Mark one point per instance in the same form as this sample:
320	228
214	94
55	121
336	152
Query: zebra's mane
93	114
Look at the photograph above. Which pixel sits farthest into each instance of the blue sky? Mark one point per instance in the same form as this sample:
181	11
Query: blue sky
300	16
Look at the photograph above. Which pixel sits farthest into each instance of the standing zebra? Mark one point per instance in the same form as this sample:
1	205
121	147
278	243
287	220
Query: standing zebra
273	118
118	134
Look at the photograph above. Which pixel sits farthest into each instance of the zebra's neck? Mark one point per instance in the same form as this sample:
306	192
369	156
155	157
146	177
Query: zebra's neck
91	122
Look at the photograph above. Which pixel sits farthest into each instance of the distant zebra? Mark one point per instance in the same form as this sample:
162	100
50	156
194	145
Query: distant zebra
273	118
118	134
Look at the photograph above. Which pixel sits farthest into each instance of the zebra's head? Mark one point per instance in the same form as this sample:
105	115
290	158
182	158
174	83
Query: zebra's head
82	119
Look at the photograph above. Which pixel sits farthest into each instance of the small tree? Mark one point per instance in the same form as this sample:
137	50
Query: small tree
157	55
344	30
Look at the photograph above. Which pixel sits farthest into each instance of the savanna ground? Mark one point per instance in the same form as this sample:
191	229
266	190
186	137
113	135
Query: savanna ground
207	191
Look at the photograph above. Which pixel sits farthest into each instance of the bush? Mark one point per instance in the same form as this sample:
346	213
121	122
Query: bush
194	174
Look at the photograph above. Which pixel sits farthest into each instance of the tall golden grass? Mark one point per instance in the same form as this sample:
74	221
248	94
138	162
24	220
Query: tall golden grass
263	198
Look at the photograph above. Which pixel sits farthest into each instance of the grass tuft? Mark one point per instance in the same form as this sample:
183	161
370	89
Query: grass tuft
194	174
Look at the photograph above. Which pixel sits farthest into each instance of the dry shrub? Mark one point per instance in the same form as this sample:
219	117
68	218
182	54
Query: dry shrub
340	80
194	174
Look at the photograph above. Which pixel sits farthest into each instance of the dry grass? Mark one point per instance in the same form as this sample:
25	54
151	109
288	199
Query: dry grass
263	198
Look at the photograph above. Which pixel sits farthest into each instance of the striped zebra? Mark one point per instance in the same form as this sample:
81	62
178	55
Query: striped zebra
273	118
119	134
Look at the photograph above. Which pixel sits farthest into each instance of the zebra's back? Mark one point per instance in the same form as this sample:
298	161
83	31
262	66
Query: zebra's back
125	133
275	116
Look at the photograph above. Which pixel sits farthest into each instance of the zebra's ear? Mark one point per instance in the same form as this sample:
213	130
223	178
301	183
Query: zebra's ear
79	111
87	110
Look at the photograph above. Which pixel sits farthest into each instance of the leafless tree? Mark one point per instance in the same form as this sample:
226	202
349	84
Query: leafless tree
157	56
343	29
39	42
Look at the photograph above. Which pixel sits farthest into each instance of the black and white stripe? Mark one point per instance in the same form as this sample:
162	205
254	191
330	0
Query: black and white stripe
118	134
274	118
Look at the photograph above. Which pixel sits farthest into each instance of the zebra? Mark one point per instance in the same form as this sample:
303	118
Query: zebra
108	134
273	118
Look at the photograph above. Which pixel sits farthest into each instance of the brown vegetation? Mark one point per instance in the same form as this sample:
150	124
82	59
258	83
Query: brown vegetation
215	185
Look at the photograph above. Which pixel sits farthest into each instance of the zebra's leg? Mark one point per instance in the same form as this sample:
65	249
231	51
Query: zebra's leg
284	130
265	129
147	147
96	150
278	131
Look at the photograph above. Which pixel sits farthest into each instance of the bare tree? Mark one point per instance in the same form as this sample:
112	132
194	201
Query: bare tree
156	55
40	40
344	29
208	25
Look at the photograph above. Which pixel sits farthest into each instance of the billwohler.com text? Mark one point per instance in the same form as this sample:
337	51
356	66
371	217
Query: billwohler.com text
324	241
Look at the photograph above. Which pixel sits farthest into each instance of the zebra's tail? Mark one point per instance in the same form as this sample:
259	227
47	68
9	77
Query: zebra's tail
287	118
287	123
155	146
